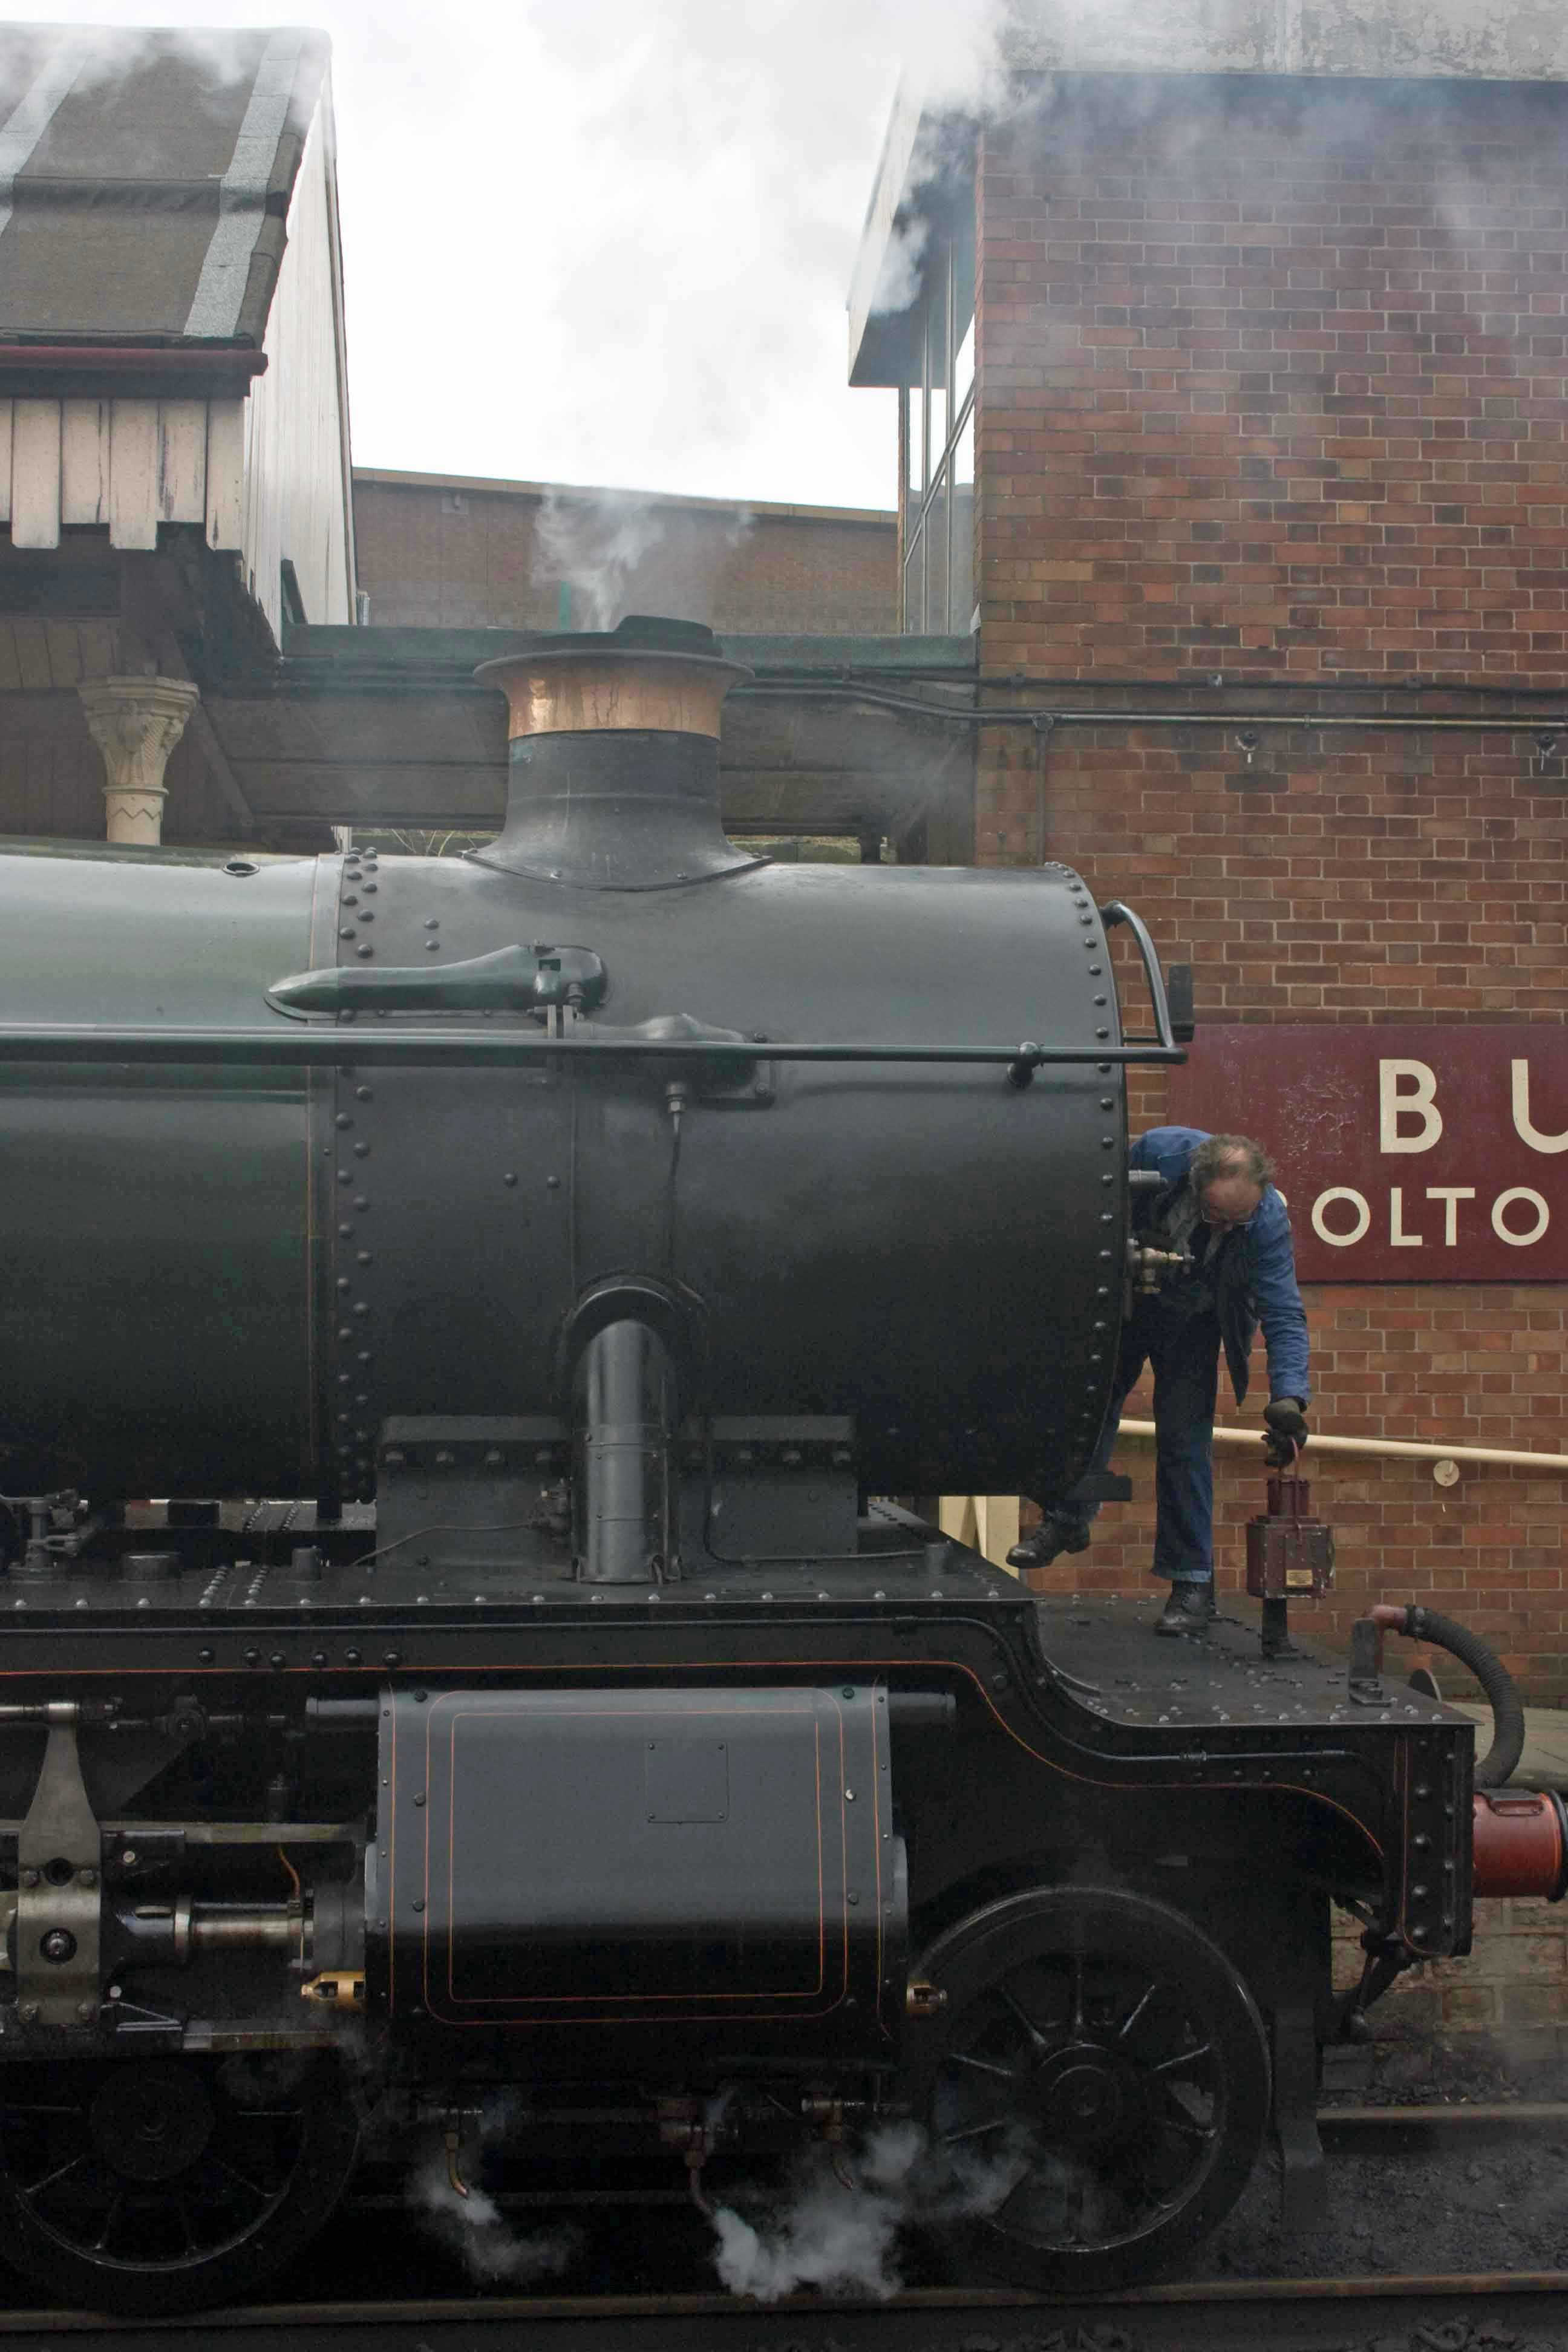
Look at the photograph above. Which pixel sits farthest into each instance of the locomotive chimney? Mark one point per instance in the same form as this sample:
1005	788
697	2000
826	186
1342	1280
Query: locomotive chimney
614	758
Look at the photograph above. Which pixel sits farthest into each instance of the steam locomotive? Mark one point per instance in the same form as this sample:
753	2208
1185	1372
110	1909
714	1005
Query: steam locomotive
514	1279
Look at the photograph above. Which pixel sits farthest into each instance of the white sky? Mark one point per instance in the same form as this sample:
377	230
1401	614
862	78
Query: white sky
609	241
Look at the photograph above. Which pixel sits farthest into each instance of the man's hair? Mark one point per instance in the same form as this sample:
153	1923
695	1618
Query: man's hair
1218	1156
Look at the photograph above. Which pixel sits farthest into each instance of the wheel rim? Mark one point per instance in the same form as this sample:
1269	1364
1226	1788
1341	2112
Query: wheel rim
1101	2084
156	2166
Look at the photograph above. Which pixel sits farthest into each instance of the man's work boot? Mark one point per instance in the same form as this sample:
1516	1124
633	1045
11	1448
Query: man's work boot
1190	1609
1058	1531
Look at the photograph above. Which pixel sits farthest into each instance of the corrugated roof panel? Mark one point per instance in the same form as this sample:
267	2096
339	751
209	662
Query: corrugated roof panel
145	179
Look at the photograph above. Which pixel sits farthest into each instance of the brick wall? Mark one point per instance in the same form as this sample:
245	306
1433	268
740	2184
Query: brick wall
1272	379
450	554
1512	1989
1272	390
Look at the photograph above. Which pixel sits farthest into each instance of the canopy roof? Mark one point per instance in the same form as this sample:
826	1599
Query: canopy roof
145	177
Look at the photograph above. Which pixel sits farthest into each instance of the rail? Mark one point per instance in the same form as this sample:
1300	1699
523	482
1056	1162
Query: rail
808	2318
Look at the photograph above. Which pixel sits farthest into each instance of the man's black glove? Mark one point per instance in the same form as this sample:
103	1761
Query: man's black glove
1286	1425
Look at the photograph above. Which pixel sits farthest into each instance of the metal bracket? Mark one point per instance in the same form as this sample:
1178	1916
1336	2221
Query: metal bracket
512	979
1303	2183
720	1076
60	1896
1365	1677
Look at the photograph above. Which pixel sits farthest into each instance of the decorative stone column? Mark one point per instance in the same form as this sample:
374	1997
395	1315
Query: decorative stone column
136	723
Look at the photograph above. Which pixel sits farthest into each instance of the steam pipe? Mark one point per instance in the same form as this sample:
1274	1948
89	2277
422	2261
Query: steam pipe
1210	681
913	673
626	1454
1043	717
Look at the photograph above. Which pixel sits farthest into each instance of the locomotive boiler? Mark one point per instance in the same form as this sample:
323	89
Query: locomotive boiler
463	1320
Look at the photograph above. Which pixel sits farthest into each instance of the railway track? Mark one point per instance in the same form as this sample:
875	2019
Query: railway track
1427	2314
1413	2312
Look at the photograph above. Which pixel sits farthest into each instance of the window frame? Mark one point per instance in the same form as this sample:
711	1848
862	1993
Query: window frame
948	282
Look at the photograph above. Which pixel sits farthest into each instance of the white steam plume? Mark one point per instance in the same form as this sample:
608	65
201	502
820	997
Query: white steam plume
620	550
839	2225
472	2225
476	2230
900	281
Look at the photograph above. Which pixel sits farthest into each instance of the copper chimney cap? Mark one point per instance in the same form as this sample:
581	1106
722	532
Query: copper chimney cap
652	675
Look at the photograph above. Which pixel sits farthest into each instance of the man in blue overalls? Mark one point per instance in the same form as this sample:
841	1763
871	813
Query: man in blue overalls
1217	1211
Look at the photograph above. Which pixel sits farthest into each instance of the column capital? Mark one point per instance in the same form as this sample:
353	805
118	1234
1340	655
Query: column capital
136	723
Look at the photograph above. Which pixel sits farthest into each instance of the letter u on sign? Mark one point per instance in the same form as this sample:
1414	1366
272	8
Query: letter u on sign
1522	1128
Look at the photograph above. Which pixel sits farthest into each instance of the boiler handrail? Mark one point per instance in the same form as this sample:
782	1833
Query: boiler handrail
299	1044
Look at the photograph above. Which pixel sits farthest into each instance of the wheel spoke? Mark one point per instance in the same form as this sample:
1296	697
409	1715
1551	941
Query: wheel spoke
1011	2001
1175	2118
1077	1993
982	2067
100	2242
1183	2059
1136	2011
976	2131
234	2172
1022	2181
37	2188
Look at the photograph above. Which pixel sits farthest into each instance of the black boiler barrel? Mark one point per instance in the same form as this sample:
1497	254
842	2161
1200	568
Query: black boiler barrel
223	1279
158	1271
926	1248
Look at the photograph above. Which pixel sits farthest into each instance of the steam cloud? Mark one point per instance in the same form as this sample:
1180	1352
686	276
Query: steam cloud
620	550
473	2227
901	277
639	225
610	243
839	2226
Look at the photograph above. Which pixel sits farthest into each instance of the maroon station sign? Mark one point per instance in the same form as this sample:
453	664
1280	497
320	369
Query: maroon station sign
1405	1155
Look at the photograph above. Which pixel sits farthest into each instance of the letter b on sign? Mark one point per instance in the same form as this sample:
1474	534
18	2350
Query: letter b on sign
1408	1118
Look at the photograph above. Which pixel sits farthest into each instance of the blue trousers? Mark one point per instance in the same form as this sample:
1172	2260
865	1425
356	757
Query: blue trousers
1182	1350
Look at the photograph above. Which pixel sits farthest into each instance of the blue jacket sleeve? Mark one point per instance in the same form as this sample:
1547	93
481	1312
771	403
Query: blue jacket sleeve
1279	1300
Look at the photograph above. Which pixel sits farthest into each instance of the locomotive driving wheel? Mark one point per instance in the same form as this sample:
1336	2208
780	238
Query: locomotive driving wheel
1097	2087
160	2185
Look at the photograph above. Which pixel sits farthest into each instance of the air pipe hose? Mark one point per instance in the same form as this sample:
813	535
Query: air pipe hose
1518	1838
1496	1768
